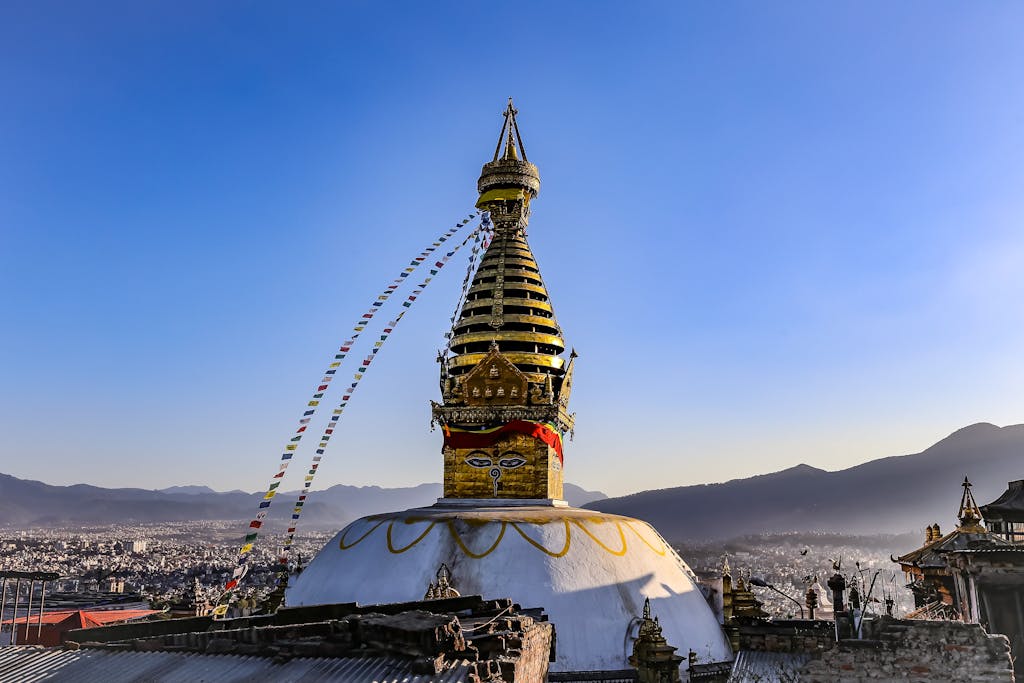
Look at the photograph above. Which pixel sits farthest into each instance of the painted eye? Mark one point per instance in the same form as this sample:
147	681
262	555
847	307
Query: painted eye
478	462
511	463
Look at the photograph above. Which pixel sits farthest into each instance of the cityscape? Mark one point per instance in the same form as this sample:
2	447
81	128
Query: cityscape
511	343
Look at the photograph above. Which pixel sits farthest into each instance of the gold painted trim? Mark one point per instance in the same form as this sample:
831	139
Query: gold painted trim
341	541
391	547
509	318
526	286
470	553
516	357
538	546
450	524
622	537
538	337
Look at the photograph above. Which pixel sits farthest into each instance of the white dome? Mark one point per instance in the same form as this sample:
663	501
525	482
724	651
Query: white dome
590	572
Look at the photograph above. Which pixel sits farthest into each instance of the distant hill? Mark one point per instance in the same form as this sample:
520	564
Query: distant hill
26	503
890	495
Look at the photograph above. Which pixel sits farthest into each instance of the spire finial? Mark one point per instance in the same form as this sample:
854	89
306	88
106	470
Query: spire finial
970	514
511	138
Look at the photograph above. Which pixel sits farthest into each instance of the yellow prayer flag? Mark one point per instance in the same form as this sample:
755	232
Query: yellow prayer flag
313	403
246	548
334	365
270	494
220	610
291	446
309	477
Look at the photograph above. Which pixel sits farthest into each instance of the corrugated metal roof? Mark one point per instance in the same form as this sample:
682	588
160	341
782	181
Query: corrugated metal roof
757	667
30	664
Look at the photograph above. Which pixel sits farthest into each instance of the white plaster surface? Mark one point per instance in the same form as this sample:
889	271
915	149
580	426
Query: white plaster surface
590	572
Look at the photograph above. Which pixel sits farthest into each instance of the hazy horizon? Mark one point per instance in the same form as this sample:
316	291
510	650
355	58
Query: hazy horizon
775	235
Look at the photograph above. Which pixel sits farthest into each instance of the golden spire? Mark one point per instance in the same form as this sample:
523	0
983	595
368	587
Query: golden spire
505	384
507	303
970	514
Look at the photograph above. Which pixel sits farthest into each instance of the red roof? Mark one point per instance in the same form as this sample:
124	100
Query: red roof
87	618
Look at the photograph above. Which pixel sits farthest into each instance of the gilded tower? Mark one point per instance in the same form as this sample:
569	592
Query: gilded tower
504	383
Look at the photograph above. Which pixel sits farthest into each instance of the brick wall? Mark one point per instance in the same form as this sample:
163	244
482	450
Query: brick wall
917	652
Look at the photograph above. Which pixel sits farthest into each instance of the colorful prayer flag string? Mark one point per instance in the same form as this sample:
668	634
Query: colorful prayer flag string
336	415
483	233
311	407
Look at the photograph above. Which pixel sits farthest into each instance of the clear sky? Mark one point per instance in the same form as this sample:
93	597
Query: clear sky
775	232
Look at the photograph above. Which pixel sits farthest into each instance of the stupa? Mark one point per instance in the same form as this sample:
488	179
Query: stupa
502	528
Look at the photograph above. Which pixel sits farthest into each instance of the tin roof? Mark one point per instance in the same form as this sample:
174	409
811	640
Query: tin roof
26	664
751	666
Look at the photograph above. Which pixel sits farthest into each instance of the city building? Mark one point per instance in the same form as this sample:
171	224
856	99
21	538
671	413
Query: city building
502	526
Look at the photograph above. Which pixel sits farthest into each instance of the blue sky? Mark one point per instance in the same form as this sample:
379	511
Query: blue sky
775	232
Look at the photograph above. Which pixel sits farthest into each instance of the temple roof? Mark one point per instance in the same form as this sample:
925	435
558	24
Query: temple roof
931	554
1010	504
969	535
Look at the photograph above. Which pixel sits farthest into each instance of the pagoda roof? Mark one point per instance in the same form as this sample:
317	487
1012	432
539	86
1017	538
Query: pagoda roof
1011	503
931	554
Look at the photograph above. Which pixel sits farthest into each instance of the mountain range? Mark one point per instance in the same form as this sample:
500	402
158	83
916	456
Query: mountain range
890	495
25	503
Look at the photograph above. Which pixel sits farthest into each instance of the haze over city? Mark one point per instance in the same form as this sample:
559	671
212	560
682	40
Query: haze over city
779	235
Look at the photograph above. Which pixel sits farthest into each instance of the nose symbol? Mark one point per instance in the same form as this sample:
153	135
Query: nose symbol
496	468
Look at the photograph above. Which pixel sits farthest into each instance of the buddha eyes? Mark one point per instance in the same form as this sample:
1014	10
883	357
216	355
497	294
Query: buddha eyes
511	462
